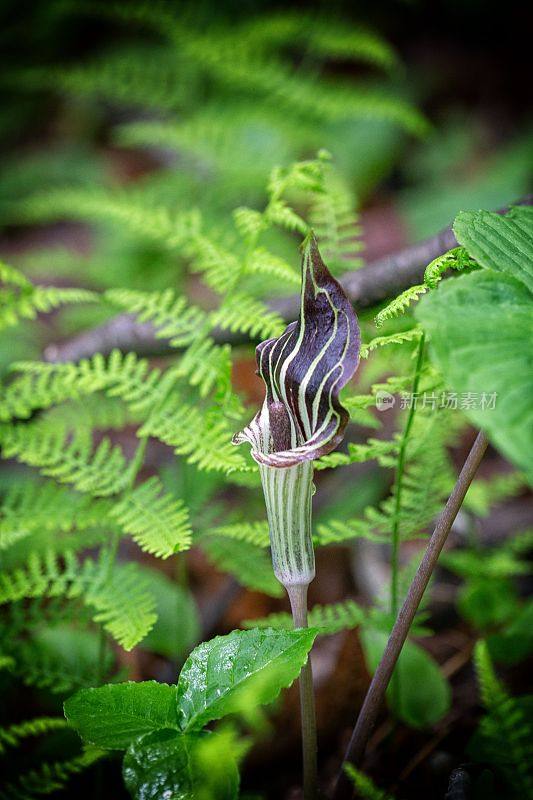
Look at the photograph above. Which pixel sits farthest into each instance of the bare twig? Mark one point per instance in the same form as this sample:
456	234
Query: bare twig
380	681
378	281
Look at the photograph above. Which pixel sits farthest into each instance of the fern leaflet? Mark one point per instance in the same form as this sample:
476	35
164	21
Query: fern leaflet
171	314
10	737
328	619
156	521
120	600
400	303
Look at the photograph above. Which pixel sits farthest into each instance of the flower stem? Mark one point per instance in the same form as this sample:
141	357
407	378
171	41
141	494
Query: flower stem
298	599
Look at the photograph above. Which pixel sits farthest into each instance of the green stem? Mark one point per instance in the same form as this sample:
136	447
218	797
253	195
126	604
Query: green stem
298	599
395	552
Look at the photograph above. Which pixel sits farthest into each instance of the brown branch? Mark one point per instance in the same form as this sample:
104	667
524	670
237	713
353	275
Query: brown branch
380	681
381	279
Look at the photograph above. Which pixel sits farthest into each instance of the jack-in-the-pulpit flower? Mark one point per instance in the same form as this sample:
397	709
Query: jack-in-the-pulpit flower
301	418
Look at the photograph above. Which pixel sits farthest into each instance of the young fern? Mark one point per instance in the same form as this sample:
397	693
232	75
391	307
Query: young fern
365	786
457	258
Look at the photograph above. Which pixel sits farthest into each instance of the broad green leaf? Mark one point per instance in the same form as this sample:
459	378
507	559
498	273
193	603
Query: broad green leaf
239	671
501	243
424	694
181	766
178	626
114	715
481	329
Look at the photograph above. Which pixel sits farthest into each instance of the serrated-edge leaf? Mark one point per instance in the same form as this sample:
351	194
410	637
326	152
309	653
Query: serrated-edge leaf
228	673
113	716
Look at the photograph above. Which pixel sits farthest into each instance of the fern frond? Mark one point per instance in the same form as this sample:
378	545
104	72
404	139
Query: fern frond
382	451
132	212
358	402
139	76
42	385
335	223
458	259
396	338
320	36
171	315
244	314
205	365
255	533
202	437
427	480
492	691
155	520
251	62
261	262
249	565
281	214
483	494
219	266
328	619
69	459
10	737
120	600
249	222
26	301
335	531
96	412
365	786
49	777
30	506
505	725
59	659
13	277
400	303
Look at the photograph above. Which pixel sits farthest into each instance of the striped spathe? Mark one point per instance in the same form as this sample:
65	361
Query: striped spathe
301	418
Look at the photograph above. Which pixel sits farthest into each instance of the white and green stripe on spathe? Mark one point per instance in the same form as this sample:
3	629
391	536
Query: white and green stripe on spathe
288	492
